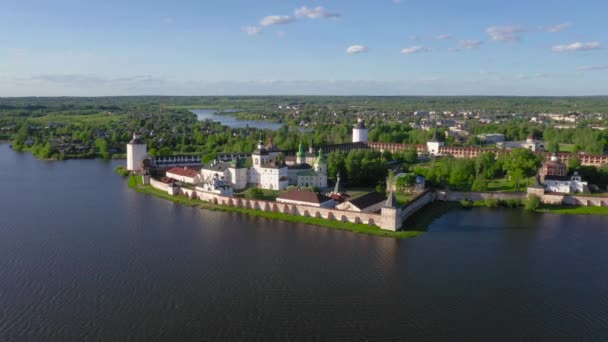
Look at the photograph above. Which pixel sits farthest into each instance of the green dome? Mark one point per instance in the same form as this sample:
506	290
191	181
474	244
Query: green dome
301	152
320	158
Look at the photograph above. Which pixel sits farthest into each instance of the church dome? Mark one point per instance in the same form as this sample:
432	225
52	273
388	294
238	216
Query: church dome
301	152
320	158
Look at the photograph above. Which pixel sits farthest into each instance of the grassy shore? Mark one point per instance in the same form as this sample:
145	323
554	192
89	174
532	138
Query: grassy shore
572	210
136	184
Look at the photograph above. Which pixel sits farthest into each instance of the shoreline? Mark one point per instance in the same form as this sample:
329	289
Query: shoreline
135	183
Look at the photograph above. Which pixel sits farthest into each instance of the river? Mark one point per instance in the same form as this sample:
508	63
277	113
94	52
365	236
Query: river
231	121
82	257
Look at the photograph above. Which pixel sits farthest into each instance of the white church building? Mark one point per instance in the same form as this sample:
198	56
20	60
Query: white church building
268	171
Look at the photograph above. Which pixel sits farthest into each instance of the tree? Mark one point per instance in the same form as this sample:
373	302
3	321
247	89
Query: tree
532	202
574	163
254	193
484	164
102	147
410	156
165	152
519	164
387	155
153	152
480	184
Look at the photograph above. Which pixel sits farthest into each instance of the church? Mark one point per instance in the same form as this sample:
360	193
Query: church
269	170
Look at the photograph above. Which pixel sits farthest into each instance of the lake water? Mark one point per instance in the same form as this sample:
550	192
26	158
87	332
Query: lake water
82	257
231	121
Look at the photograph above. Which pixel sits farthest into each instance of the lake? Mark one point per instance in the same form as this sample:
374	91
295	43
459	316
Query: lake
231	121
83	257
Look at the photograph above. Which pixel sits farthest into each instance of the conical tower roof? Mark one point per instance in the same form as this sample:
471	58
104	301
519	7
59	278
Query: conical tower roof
320	158
301	152
391	201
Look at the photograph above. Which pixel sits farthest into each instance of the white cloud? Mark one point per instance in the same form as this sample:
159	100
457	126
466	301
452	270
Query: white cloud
578	46
271	20
314	13
556	28
356	49
168	20
530	77
396	2
281	34
444	36
252	30
413	37
505	33
429	79
414	49
469	44
592	67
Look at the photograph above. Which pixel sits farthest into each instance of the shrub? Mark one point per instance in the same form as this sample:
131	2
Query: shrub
492	202
254	193
120	170
512	203
466	203
532	202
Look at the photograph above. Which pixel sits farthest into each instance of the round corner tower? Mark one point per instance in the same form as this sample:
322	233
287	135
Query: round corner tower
136	153
360	132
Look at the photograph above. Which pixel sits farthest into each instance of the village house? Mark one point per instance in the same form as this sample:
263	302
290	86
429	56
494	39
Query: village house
184	175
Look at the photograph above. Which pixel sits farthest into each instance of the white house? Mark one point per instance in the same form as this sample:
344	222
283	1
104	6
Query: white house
565	184
233	173
215	185
184	175
433	145
530	144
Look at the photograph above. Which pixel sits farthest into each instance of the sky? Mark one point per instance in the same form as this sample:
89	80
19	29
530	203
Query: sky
304	47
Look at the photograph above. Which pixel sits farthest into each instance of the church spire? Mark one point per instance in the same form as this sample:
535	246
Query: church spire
301	155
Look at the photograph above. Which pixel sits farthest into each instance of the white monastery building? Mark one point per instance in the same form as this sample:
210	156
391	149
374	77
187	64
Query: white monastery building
565	184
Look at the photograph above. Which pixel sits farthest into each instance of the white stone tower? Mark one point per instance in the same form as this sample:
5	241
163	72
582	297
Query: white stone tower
136	153
360	132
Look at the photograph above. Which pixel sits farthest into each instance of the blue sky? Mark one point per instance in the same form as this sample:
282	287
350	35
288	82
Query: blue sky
332	47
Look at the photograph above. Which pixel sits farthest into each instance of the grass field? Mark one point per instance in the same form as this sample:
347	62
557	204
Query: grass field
573	210
95	119
403	198
566	148
269	195
504	185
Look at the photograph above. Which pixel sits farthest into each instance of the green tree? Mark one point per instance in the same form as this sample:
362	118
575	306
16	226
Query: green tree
520	163
480	184
574	163
102	147
532	202
165	151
